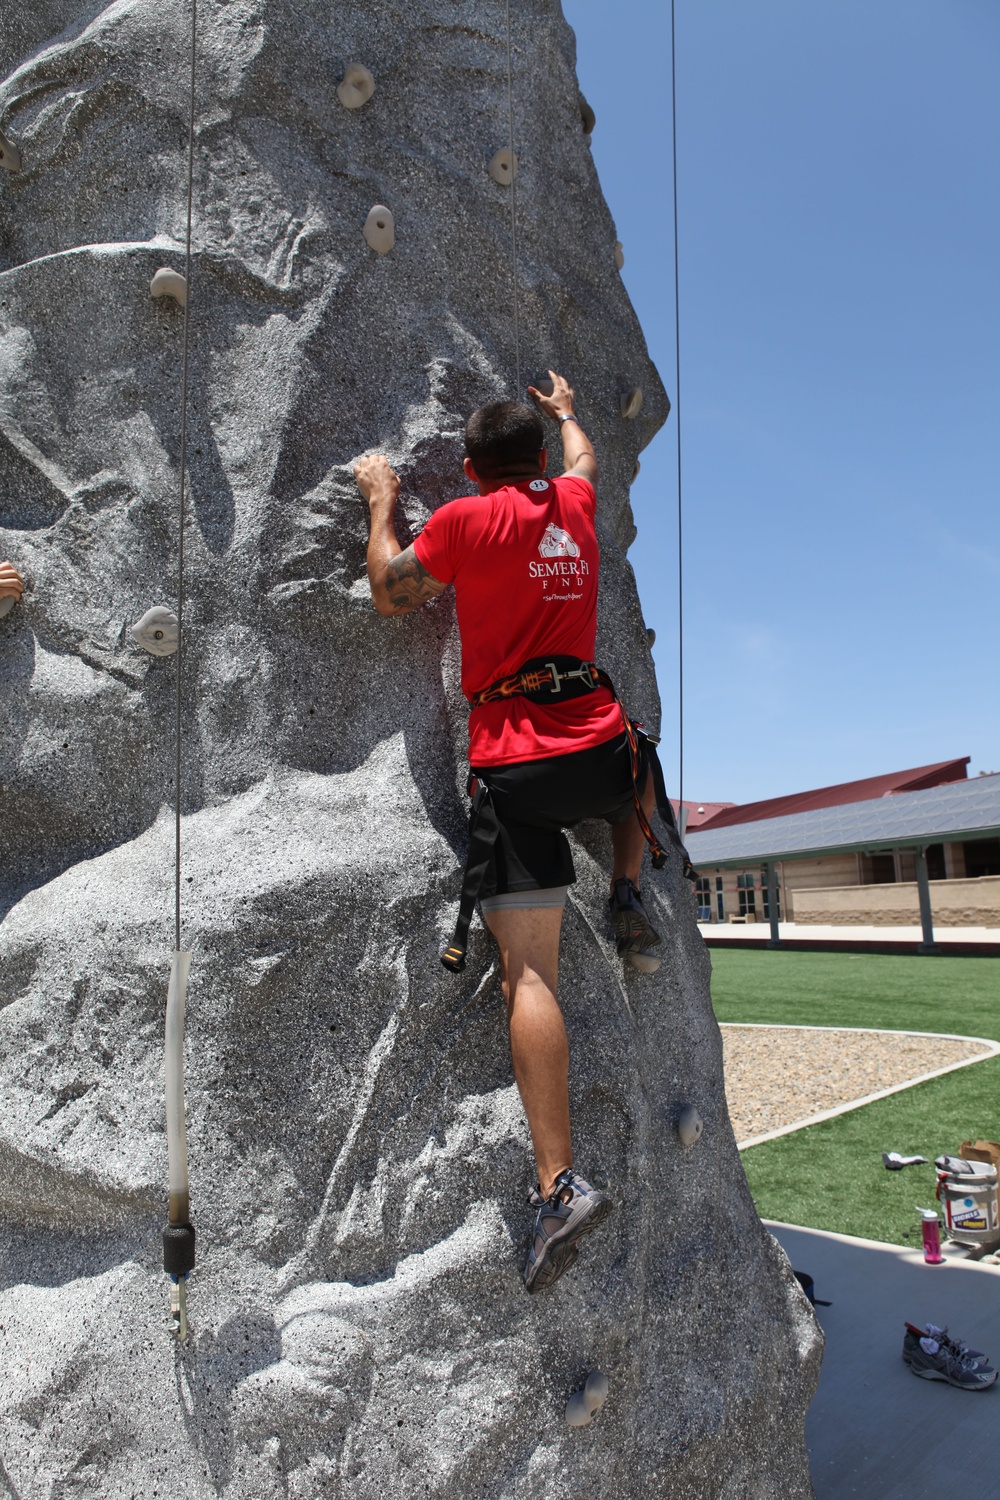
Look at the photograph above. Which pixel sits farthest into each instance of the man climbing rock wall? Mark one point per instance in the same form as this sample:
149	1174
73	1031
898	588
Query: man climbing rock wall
359	1324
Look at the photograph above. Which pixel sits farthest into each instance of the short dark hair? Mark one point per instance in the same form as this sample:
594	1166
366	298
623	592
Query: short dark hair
503	437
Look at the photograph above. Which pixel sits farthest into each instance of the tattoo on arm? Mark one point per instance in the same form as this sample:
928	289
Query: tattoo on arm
408	582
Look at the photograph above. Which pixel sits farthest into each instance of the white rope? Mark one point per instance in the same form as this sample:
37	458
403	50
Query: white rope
680	509
183	477
513	216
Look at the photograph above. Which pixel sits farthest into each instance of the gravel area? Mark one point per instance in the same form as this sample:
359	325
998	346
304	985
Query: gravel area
778	1075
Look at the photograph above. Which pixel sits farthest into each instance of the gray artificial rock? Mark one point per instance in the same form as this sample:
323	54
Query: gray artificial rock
359	1159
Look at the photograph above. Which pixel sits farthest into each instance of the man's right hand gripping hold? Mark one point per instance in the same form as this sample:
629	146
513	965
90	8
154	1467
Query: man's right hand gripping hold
545	737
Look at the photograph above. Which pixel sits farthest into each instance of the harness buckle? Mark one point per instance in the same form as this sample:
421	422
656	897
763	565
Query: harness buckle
583	673
586	675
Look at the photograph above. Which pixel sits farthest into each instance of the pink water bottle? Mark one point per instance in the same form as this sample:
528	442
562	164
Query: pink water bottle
930	1226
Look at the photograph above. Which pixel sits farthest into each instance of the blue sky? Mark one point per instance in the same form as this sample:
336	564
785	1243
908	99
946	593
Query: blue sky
839	183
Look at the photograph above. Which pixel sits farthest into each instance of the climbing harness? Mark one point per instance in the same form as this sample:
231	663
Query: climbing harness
178	1233
543	680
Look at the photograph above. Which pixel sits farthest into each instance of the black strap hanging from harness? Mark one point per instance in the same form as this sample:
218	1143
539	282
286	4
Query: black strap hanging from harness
483	831
542	680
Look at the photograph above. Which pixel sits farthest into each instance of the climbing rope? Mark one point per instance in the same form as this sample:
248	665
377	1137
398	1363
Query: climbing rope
183	477
178	1234
513	215
677	392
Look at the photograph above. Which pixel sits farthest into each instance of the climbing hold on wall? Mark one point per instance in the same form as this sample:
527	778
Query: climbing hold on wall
6	605
544	385
689	1125
619	254
10	157
168	283
635	472
631	402
595	1392
380	232
650	637
500	167
356	87
584	1405
577	1412
587	118
158	632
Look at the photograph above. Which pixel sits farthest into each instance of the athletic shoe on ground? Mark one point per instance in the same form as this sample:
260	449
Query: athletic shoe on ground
932	1361
634	933
574	1209
961	1351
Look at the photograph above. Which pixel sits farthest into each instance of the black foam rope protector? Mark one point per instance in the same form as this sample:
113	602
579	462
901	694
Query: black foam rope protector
178	1249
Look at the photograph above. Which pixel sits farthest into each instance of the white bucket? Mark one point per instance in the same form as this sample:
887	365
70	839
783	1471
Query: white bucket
967	1191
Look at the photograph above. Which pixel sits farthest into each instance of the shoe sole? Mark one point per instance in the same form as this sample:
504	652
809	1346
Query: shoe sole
646	963
961	1385
563	1254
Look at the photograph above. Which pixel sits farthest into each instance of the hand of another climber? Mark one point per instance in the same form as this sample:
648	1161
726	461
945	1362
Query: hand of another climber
11	582
377	481
560	403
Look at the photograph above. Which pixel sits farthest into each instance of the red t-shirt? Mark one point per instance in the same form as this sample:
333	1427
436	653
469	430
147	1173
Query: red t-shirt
524	562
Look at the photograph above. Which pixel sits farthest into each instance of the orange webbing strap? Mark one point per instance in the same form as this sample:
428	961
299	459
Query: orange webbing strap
663	804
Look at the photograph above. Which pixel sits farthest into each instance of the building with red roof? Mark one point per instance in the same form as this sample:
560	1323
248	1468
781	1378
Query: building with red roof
861	853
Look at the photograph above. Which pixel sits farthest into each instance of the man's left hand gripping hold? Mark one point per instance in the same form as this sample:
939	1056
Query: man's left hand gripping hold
398	581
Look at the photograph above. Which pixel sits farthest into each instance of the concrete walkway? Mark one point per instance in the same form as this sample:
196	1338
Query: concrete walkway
874	1430
864	939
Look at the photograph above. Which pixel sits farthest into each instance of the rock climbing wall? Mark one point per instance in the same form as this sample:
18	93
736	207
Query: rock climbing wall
359	1160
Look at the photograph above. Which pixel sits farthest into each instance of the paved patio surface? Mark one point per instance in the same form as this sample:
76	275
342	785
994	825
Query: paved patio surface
956	940
874	1430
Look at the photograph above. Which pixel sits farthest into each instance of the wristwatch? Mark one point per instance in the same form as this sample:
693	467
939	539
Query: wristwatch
570	417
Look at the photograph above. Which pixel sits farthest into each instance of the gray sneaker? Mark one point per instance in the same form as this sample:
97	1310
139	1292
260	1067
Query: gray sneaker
574	1209
932	1361
634	933
960	1350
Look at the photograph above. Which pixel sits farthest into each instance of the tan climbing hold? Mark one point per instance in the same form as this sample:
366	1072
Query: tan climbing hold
356	87
587	118
157	631
583	1406
500	167
380	231
10	157
636	471
169	283
619	254
631	403
689	1125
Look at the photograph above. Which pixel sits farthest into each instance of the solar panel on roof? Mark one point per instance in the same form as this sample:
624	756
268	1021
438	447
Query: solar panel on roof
957	810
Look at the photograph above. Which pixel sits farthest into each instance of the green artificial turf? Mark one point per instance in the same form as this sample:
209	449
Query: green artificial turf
830	1175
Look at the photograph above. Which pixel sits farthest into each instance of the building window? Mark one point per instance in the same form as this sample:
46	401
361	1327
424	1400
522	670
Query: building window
883	867
982	857
745	891
765	892
703	894
935	861
720	900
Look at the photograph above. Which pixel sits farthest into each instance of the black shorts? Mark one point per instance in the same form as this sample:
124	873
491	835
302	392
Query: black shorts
536	799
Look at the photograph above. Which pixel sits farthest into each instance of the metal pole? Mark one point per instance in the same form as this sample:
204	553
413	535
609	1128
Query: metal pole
772	903
924	896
